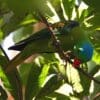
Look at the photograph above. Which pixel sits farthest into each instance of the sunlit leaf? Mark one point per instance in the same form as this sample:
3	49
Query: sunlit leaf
68	7
49	86
85	82
38	74
22	33
93	68
32	86
95	88
83	15
5	80
59	96
75	80
79	81
94	21
96	57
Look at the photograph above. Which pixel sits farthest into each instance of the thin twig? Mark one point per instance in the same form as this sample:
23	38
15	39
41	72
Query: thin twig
88	75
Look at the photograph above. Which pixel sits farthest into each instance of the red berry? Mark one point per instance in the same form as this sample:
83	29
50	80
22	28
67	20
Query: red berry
76	63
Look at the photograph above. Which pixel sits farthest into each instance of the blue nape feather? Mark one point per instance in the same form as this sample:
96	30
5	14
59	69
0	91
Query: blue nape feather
84	51
88	49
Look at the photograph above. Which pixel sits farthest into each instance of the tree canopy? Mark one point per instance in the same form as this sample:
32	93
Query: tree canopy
49	76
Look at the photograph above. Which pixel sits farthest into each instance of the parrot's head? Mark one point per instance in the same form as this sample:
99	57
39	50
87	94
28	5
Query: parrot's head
66	27
83	51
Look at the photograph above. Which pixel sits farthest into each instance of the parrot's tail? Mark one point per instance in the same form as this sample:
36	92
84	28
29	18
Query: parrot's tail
18	47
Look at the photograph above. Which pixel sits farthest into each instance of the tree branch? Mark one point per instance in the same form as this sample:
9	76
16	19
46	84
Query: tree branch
88	75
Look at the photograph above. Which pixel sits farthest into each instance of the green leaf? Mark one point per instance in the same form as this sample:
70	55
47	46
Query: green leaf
93	68
3	61
11	25
94	22
5	80
68	7
44	73
18	25
21	8
32	86
85	82
1	34
59	96
83	15
11	80
95	36
50	86
57	7
15	82
24	70
36	78
3	8
79	81
38	74
22	33
94	4
96	88
74	80
96	57
42	7
3	94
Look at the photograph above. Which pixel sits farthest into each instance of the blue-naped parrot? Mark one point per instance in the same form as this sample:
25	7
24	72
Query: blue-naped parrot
84	51
42	39
71	36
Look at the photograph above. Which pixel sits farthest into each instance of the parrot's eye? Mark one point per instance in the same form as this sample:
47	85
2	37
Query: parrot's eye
80	49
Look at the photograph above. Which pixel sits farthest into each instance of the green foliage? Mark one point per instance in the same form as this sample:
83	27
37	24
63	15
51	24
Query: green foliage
49	87
94	4
94	21
4	79
36	78
69	8
10	80
24	7
43	77
3	95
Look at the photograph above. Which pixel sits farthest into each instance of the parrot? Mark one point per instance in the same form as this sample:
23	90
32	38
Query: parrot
70	34
44	37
